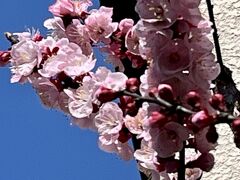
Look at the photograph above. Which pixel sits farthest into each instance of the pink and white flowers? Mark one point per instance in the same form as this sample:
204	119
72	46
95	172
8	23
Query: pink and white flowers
100	25
157	61
69	58
69	7
25	56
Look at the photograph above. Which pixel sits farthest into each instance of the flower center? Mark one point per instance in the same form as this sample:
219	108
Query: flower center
174	58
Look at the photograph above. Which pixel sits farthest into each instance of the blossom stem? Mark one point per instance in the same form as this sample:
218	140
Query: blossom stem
224	82
215	33
221	117
181	170
159	101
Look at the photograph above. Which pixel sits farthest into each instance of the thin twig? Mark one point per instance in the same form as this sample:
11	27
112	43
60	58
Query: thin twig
221	117
224	82
215	34
181	170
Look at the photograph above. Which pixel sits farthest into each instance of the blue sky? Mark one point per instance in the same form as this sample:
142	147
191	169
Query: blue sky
38	143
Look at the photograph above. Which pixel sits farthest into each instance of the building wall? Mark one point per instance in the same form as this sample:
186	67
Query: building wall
227	156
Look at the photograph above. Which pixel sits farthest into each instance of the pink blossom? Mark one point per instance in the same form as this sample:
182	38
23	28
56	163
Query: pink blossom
77	33
148	39
49	94
69	7
109	122
69	59
171	135
205	68
191	4
156	11
115	81
135	124
56	26
99	24
80	101
146	156
174	57
110	119
25	55
5	56
187	10
125	25
132	41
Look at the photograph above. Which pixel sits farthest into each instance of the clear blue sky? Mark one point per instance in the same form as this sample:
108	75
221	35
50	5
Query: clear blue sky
37	143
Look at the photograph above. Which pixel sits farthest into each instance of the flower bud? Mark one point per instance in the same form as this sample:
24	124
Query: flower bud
193	99
5	56
124	134
217	102
157	119
104	94
132	84
37	37
153	92
165	92
125	25
236	125
201	119
128	105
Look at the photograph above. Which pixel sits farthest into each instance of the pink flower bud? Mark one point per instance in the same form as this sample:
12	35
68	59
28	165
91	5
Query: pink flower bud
157	119
217	102
105	95
37	37
153	92
125	25
201	119
236	125
128	105
4	57
124	134
165	92
193	99
132	84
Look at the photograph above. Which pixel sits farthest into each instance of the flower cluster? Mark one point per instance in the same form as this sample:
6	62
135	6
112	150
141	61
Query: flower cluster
159	94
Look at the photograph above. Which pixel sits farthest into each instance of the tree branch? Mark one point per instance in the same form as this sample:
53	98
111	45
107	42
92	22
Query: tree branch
224	82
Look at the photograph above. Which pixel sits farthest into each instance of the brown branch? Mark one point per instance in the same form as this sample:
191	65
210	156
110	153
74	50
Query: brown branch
224	82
